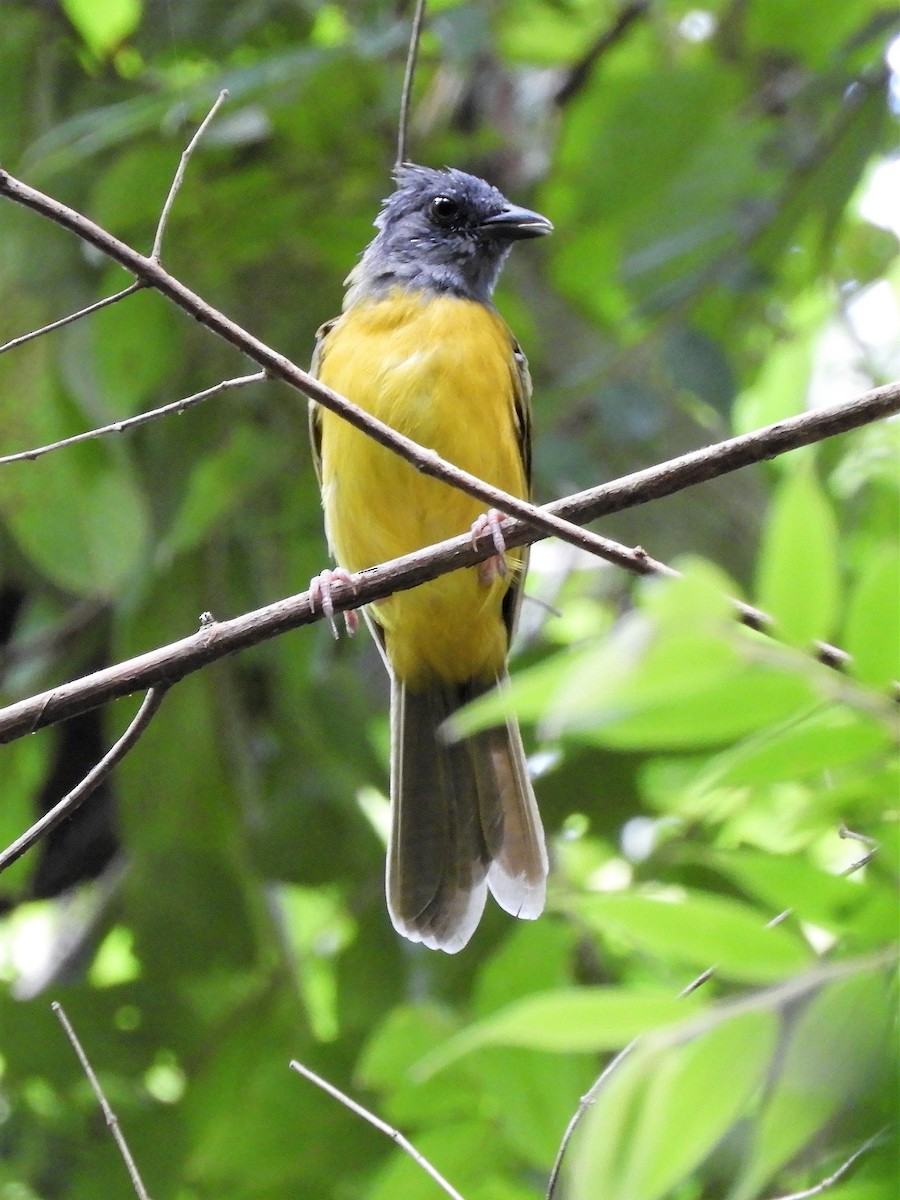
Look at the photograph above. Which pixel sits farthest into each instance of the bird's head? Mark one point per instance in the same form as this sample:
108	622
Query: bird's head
442	231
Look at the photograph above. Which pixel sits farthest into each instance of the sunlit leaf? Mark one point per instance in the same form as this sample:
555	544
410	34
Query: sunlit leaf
681	1103
565	1020
836	1046
703	930
797	580
793	882
827	740
872	632
103	23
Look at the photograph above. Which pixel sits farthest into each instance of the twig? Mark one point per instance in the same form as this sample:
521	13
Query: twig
156	252
843	832
415	38
177	406
89	784
111	1118
584	1104
695	984
579	75
215	640
782	994
393	1134
842	1170
75	316
871	843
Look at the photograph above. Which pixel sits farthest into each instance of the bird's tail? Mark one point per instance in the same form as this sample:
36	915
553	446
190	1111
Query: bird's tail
464	819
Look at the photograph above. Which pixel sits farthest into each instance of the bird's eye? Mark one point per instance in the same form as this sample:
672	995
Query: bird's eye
444	209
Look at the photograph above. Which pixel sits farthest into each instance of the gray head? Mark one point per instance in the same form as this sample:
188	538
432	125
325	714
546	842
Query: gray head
442	231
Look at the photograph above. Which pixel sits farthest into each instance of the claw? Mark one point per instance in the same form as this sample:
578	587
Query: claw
494	567
320	596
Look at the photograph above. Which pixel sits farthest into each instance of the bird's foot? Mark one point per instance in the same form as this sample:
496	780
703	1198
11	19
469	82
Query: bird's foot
494	567
320	597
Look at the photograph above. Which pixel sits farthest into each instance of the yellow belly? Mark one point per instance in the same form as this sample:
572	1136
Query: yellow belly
441	371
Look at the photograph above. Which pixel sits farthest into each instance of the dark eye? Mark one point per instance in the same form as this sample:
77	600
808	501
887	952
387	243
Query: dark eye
444	210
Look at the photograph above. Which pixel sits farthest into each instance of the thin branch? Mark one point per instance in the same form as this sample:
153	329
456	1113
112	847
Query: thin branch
873	844
111	1118
76	316
842	1170
156	252
580	74
394	1134
857	865
89	784
177	406
584	1104
215	639
415	38
696	984
279	367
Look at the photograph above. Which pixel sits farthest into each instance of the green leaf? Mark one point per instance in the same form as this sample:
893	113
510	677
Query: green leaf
716	712
778	388
24	764
535	32
678	1104
797	577
702	930
136	344
219	484
807	34
92	547
824	741
408	1032
536	956
836	1047
103	23
568	1020
781	881
872	632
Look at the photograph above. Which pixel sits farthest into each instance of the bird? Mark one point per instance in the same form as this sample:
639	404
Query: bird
420	345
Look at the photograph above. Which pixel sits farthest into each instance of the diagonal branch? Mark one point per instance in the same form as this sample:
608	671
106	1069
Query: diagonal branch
75	316
89	784
215	640
112	1120
156	252
177	406
382	1126
824	1184
577	78
276	365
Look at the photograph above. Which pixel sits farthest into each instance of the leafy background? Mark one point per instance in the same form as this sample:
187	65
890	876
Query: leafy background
718	263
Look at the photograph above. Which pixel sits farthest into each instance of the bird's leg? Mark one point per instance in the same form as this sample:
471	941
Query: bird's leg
494	567
320	596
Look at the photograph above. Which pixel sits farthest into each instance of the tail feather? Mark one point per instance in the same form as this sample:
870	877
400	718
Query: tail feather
464	818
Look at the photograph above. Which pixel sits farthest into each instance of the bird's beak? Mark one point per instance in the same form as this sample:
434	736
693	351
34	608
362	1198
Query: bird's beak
514	224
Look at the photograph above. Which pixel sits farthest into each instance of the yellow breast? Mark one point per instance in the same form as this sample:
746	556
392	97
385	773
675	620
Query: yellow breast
440	370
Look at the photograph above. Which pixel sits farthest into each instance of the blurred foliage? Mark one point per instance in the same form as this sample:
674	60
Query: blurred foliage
717	264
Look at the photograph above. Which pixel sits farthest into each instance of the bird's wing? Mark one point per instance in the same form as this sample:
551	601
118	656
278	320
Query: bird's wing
315	441
521	381
315	413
